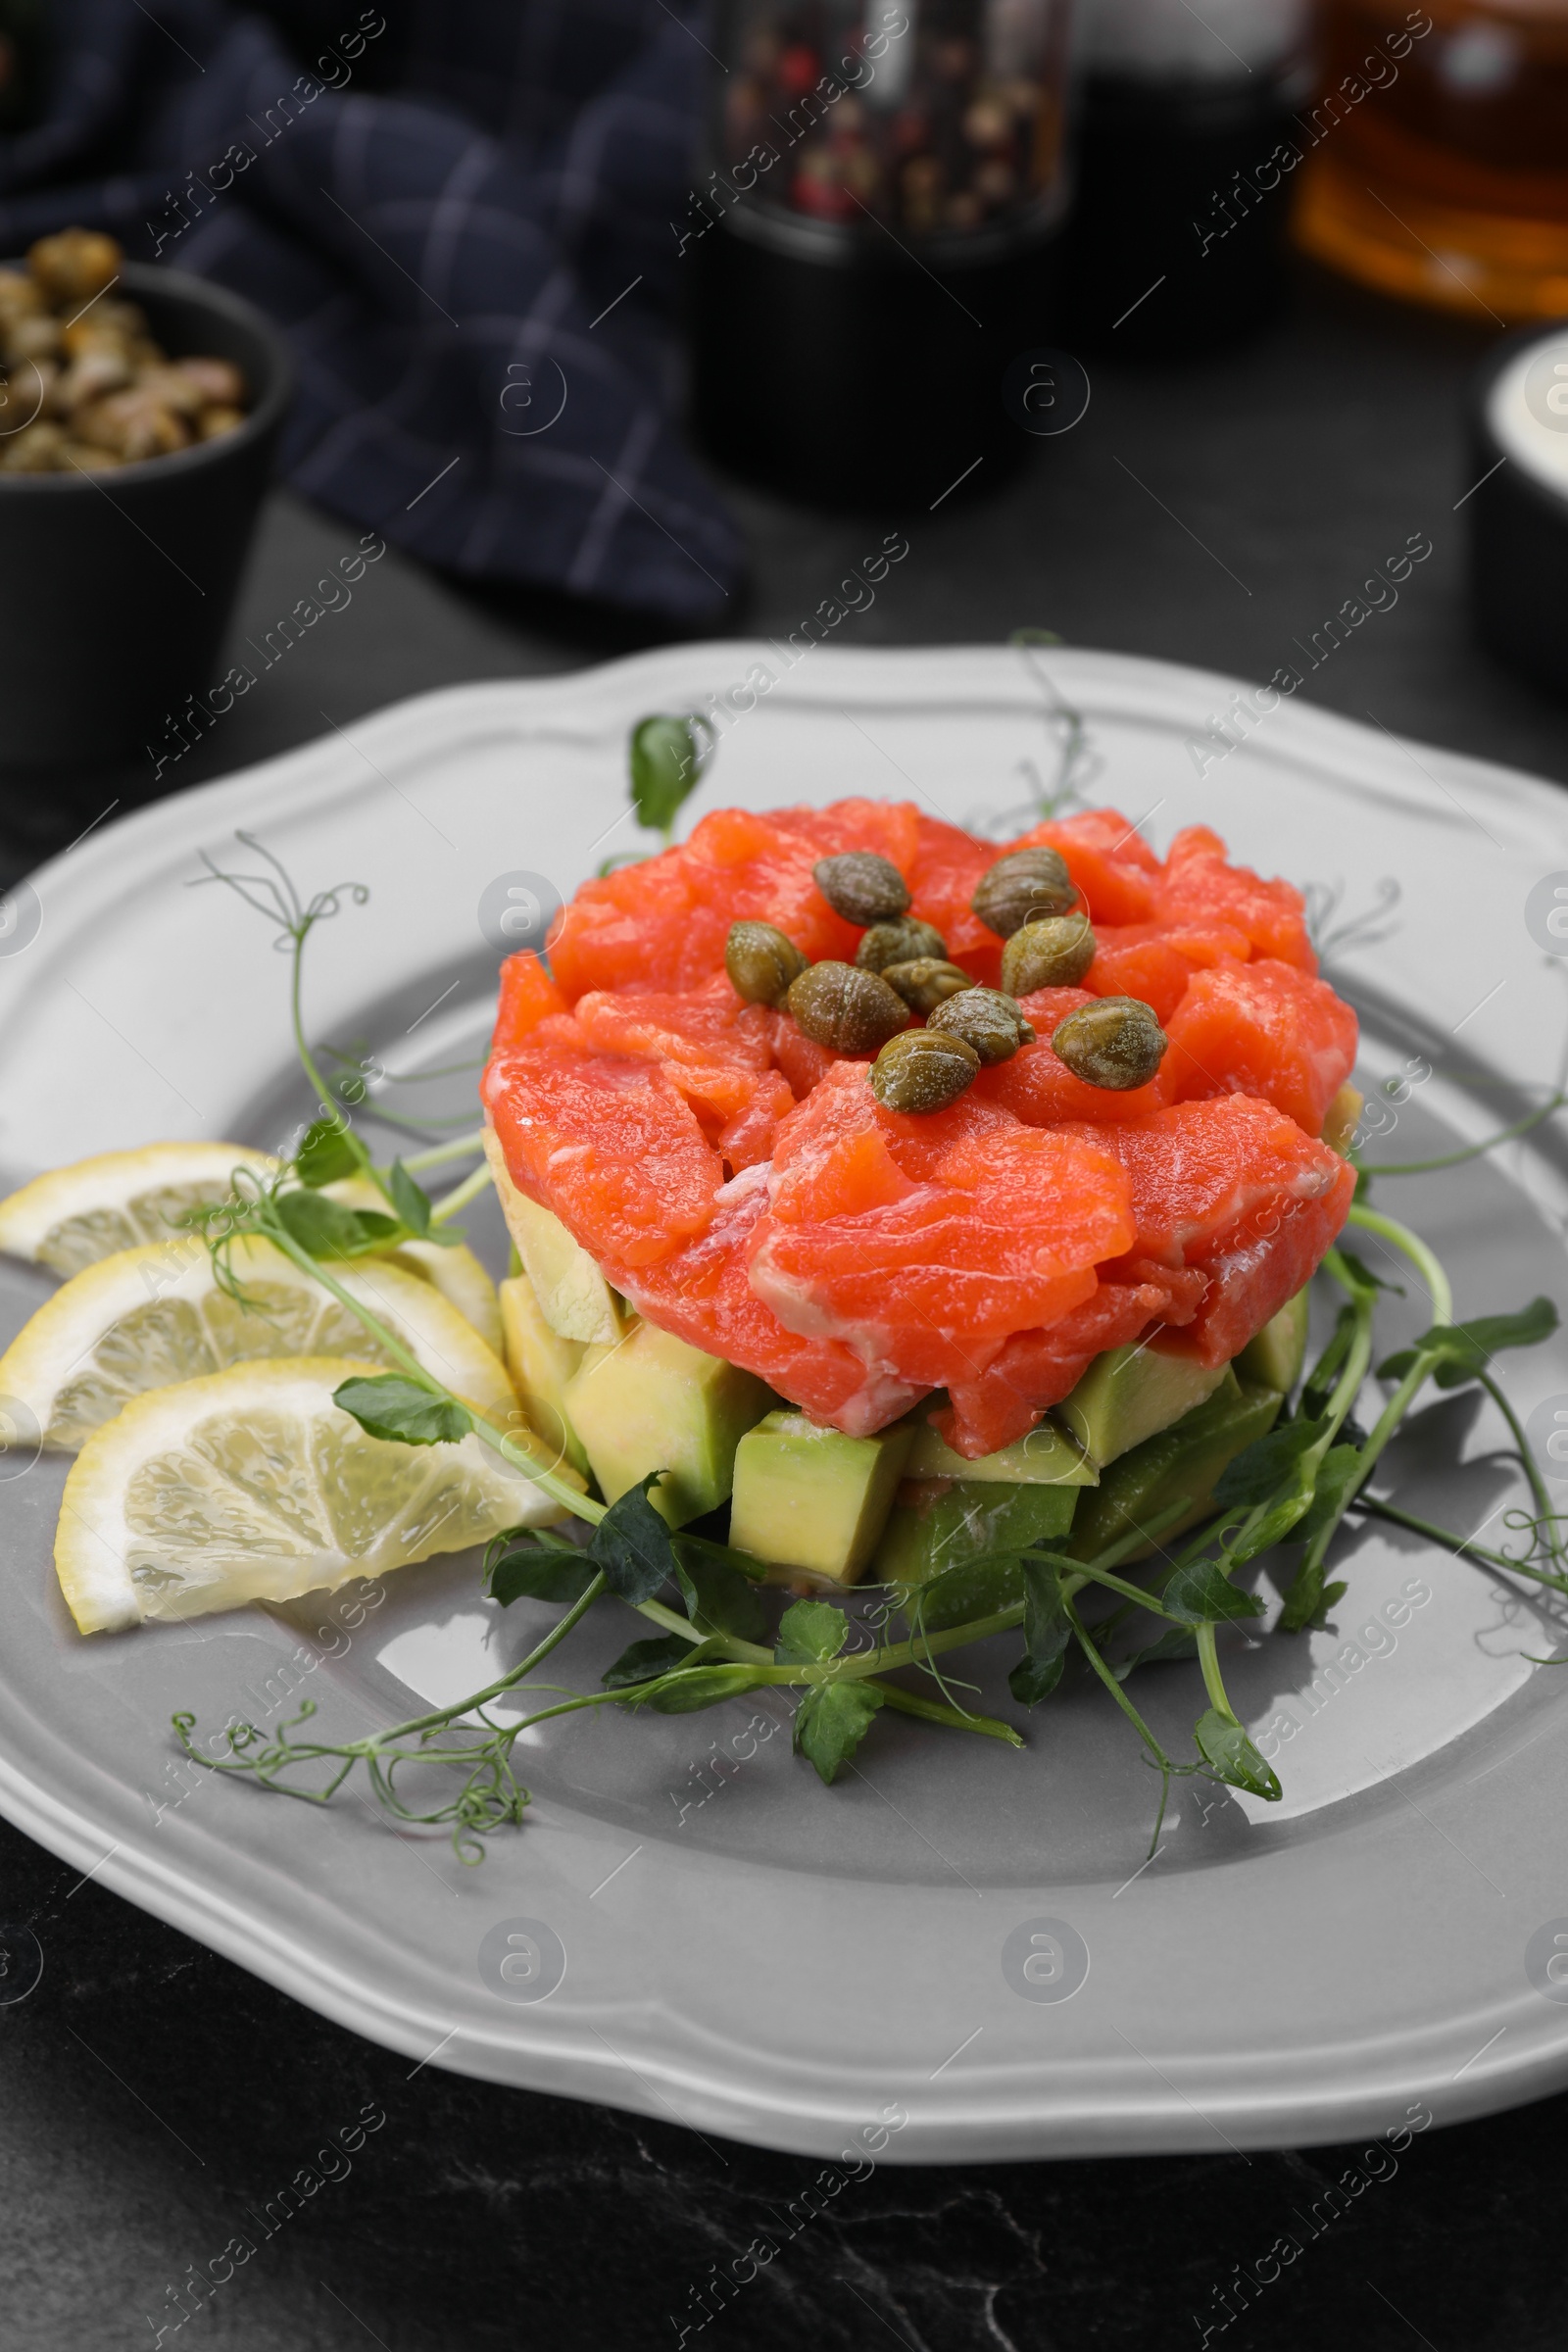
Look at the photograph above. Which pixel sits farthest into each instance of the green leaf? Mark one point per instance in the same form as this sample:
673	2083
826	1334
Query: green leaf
695	1687
1320	1383
1035	1679
1335	1478
631	1545
719	1600
1259	1467
1308	1601
325	1155
651	1661
1231	1756
1280	1519
811	1632
832	1720
1362	1279
325	1229
1045	1630
523	1568
386	1405
1178	1643
412	1204
1462	1349
665	756
1199	1594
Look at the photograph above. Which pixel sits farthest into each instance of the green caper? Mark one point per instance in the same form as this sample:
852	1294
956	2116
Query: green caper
1115	1043
761	962
849	1010
985	1020
925	981
1021	888
924	1069
862	886
1053	952
898	943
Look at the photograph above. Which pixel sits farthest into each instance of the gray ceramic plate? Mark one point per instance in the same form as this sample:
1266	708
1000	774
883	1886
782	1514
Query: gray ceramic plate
961	1935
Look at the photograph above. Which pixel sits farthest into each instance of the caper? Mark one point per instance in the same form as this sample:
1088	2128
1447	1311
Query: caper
924	1071
1053	952
1021	888
985	1020
1115	1043
862	886
898	943
761	962
925	981
849	1010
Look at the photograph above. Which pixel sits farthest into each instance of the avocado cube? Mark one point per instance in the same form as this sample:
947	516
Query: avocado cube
541	1363
1129	1394
952	1524
812	1502
1046	1458
1274	1356
574	1299
1182	1464
652	1402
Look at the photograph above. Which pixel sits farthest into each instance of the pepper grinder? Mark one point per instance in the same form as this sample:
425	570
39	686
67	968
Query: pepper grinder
874	238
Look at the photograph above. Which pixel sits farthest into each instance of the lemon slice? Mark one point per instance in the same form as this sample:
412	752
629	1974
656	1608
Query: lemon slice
456	1272
74	1217
251	1484
146	1317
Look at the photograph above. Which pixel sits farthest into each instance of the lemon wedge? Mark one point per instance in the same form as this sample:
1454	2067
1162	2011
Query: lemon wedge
72	1216
146	1317
251	1484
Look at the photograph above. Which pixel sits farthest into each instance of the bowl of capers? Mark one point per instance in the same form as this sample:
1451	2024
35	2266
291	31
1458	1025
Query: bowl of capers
140	410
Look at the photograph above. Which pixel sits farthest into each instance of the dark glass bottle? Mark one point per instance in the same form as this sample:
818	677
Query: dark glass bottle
1187	131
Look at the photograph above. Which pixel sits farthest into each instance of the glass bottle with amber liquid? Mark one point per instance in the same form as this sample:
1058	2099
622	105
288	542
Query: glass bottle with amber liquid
1440	167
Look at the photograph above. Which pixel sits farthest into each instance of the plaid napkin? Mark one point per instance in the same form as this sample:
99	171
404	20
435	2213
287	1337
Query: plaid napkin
474	265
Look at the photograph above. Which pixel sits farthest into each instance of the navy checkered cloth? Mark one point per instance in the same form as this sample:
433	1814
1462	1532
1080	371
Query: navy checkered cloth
475	268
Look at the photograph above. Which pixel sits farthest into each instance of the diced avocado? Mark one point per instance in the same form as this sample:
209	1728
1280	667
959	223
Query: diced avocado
1274	1357
1046	1458
541	1363
1343	1117
652	1402
952	1524
1129	1394
1183	1461
575	1299
812	1502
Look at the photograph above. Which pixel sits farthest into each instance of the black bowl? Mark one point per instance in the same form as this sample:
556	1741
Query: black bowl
118	586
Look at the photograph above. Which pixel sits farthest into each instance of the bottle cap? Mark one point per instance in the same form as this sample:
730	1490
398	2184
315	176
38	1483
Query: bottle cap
1149	39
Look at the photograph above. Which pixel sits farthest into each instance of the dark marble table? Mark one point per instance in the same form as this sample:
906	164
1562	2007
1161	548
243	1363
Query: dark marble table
1215	512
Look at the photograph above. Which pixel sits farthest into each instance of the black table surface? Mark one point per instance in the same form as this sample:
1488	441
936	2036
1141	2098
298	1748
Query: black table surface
1215	512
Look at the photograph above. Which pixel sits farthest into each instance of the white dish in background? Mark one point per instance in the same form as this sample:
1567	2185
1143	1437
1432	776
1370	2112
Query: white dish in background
717	1936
